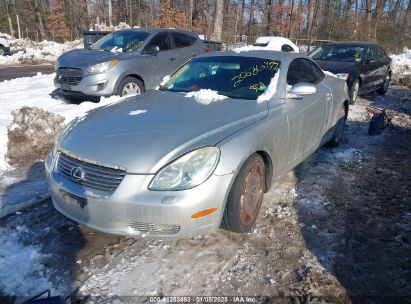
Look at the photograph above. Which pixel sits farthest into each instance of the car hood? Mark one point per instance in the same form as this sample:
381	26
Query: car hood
81	58
337	66
146	132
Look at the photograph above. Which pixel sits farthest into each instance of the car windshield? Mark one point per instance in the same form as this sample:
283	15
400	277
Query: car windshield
233	76
350	53
120	41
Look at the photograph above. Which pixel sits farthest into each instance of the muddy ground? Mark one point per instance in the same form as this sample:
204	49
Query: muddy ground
337	229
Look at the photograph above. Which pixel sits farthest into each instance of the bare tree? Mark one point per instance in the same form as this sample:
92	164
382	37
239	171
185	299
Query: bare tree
218	21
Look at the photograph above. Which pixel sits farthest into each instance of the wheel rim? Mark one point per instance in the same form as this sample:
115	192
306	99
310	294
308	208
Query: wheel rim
252	190
131	88
386	83
355	91
339	127
1	52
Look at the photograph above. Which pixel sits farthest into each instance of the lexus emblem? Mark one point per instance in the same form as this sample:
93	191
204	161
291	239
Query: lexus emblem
78	173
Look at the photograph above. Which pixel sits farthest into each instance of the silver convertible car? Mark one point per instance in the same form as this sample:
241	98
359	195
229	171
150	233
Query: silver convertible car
200	152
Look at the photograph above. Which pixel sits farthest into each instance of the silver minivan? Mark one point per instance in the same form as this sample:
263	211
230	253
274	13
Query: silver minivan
125	62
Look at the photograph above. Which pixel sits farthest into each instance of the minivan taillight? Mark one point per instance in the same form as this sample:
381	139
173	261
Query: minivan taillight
207	50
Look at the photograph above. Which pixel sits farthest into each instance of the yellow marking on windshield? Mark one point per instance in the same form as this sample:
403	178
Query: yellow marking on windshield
272	65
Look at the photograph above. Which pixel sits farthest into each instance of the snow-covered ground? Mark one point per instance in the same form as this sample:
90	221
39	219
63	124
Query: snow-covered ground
35	92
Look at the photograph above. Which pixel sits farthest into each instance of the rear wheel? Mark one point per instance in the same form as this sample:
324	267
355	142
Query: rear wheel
384	87
338	129
130	86
246	195
355	88
2	51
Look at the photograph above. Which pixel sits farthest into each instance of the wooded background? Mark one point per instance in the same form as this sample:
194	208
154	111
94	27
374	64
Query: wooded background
231	21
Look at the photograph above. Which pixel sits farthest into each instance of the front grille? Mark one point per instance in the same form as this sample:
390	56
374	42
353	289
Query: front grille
71	76
70	80
93	176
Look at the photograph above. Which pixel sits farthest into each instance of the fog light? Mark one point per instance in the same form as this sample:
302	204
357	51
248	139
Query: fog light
155	228
101	86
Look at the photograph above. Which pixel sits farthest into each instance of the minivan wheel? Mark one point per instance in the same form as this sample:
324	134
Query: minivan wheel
355	88
246	196
2	51
384	87
338	129
130	86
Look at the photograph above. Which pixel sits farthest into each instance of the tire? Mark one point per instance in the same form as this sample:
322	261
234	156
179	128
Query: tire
384	87
355	87
130	86
2	51
338	129
243	206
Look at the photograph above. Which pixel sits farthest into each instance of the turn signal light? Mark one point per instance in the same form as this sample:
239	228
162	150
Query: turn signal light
204	213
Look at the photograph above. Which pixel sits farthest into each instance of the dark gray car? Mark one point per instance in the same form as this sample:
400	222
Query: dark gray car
125	62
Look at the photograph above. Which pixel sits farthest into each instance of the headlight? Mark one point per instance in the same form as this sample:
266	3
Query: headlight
188	171
342	75
102	67
64	131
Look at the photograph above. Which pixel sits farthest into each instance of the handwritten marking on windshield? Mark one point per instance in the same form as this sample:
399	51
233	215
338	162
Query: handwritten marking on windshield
272	65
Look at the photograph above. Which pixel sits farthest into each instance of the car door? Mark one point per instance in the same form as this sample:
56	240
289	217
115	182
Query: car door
370	70
383	63
307	114
161	63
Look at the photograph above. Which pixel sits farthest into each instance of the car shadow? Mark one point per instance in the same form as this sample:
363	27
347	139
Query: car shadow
48	243
397	98
355	215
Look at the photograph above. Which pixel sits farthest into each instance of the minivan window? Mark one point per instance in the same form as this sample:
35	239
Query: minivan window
287	48
120	41
182	40
162	40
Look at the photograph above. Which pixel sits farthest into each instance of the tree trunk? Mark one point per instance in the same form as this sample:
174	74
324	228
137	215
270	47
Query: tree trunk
368	10
218	21
39	20
269	12
251	20
310	17
378	15
241	31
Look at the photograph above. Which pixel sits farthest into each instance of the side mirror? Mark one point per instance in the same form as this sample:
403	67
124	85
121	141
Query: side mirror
151	50
301	89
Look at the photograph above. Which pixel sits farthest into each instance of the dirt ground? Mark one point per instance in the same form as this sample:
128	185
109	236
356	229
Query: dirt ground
337	229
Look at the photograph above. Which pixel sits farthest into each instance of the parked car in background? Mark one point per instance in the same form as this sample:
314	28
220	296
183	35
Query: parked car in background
201	151
4	45
274	43
365	66
125	62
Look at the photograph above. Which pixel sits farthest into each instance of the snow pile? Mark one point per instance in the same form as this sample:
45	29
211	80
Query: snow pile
31	52
272	89
107	28
249	48
8	37
21	265
35	92
137	112
401	68
206	96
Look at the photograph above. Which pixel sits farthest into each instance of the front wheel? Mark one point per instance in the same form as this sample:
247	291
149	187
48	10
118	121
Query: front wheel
2	51
338	129
355	88
130	86
384	87
246	196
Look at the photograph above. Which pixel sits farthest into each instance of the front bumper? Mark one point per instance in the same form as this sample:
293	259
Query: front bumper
132	206
101	84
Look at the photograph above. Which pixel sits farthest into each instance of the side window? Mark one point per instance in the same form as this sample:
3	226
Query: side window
370	55
162	40
379	52
182	40
287	48
303	70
